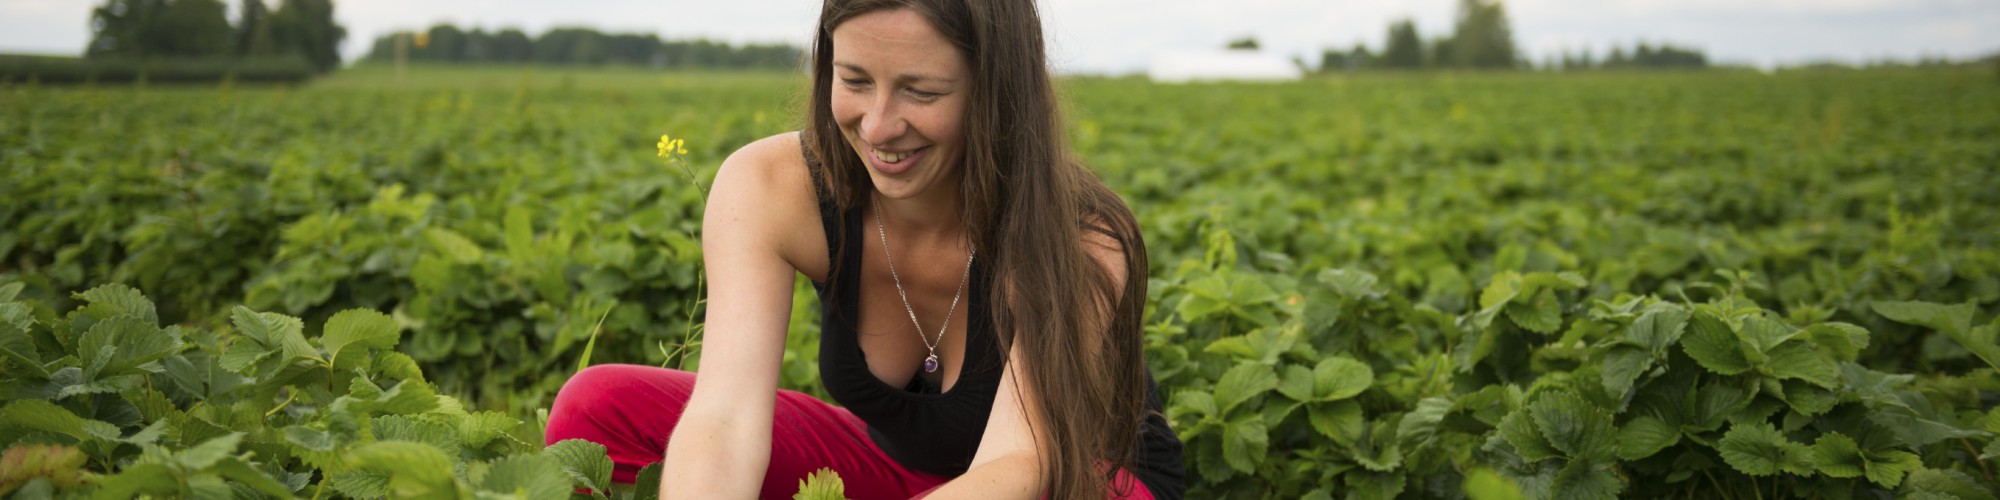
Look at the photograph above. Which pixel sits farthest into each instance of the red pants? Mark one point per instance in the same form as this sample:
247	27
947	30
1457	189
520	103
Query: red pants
631	410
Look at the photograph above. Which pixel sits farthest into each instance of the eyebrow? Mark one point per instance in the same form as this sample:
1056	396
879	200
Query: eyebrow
906	77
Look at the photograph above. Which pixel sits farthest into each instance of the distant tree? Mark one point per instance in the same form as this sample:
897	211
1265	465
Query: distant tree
1441	50
307	28
448	43
1245	43
160	28
1404	49
511	45
1482	38
445	43
253	30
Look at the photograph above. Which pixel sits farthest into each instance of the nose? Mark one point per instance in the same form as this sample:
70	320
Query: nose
883	122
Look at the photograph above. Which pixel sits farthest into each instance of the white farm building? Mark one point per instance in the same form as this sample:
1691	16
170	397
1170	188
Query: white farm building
1222	65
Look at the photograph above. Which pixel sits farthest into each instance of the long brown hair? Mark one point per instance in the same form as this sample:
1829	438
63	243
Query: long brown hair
1026	201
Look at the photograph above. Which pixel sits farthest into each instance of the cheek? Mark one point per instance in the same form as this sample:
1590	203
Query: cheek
846	108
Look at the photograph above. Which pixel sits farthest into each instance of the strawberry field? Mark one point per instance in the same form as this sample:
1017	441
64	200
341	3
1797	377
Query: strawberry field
1692	285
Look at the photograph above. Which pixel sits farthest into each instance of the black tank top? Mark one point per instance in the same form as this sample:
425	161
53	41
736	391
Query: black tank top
919	425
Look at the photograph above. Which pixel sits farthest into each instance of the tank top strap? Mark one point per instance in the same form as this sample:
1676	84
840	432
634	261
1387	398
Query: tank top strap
829	212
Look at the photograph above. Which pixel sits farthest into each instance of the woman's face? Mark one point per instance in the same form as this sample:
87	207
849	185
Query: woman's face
899	94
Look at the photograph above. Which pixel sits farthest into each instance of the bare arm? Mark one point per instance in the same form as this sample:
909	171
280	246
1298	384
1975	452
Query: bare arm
1008	463
722	444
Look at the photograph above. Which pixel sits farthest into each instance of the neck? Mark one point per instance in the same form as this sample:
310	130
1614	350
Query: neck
929	216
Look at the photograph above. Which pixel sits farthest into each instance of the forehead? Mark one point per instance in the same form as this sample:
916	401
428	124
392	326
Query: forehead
896	40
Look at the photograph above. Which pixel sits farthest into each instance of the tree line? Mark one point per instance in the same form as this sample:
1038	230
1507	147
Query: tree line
151	30
1482	39
582	46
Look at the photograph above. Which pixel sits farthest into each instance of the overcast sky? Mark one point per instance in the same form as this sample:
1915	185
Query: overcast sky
1099	36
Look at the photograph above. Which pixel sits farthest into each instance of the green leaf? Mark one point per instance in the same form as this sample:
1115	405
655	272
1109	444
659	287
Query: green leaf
1714	404
1518	429
1340	420
16	345
1581	430
273	331
1352	283
1798	361
584	461
1808	399
237	470
1918	431
1583	479
1242	382
1622	366
1836	455
527	476
1420	424
117	346
454	246
1341	377
1714	346
406	428
309	439
1763	334
1943	318
1503	289
1297	383
124	300
45	416
361	483
1244	443
1483	484
1378	450
1365	485
478	429
1944	482
1844	340
1541	314
138	479
207	453
646	486
1658	328
414	469
1887	468
1644	436
1202	404
1760	450
822	484
359	327
1875	388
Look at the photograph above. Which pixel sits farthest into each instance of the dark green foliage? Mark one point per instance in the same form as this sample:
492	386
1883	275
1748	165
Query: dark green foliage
1378	286
582	46
1403	49
63	70
191	40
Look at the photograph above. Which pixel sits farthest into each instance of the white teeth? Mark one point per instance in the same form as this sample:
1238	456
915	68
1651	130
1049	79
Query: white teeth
889	157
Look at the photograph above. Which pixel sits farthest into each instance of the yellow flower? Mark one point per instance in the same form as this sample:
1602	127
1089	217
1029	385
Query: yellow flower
670	146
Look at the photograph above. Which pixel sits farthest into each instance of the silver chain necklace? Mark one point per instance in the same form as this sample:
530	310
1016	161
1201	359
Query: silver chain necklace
931	362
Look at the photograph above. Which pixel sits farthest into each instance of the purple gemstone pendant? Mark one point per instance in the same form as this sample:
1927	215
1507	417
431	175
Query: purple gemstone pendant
931	364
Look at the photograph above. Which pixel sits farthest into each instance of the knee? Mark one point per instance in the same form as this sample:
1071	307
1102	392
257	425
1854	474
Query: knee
600	386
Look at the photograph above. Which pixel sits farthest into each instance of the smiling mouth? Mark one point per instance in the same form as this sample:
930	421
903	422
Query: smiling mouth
888	157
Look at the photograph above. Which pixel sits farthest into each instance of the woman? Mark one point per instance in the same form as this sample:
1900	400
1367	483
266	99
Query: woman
982	292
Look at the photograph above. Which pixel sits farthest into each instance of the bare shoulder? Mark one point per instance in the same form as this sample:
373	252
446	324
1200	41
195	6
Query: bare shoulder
765	189
1106	248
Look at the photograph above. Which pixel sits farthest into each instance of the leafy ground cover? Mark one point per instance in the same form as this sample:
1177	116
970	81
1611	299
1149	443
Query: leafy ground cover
1419	286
